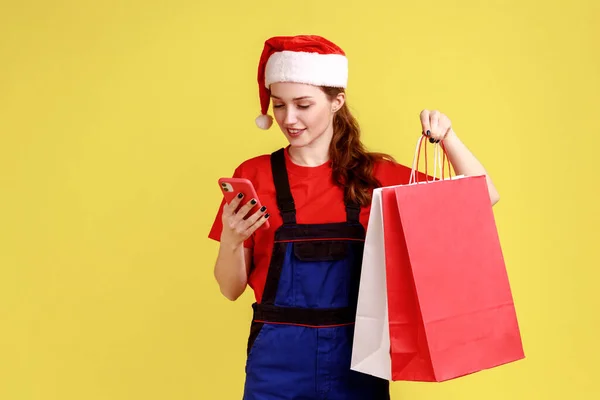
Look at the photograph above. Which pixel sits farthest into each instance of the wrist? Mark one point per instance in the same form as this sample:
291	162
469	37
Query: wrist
451	141
450	136
230	246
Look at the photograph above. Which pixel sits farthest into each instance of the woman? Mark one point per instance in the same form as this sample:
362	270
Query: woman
305	268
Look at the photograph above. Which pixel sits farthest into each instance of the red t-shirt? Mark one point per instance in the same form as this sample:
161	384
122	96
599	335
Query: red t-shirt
317	201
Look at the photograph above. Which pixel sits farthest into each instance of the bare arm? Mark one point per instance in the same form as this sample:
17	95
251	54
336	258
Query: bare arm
231	270
465	163
437	126
234	260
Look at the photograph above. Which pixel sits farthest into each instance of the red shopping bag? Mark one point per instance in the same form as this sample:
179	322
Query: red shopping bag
450	307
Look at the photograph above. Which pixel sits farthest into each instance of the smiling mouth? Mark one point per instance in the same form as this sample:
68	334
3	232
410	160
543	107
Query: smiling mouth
295	132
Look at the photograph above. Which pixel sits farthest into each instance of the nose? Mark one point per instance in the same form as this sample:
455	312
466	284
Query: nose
290	117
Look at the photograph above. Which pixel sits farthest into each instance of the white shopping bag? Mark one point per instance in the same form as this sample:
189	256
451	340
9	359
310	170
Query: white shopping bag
371	347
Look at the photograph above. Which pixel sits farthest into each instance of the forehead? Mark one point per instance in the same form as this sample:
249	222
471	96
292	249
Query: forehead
290	91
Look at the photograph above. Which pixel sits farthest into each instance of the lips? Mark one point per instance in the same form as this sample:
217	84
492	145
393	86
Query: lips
295	132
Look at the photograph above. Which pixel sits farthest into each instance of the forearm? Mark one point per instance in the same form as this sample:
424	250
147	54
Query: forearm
465	163
230	271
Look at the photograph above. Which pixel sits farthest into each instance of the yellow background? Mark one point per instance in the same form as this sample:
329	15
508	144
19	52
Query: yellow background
117	119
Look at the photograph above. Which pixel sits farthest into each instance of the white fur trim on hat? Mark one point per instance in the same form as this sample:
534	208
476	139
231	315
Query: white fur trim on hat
311	68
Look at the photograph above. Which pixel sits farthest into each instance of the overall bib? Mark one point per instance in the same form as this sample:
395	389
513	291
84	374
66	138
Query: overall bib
301	335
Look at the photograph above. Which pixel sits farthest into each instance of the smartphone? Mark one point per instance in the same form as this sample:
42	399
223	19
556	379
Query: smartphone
232	186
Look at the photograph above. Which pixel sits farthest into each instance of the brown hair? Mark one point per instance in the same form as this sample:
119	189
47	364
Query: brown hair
352	164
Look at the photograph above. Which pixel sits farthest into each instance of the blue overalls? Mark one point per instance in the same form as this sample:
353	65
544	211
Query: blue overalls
301	335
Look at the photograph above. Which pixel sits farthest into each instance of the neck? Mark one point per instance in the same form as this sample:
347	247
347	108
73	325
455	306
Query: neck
313	154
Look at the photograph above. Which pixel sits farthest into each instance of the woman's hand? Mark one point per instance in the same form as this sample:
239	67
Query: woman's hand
436	126
236	229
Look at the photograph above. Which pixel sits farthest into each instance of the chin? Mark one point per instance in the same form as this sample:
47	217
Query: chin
299	141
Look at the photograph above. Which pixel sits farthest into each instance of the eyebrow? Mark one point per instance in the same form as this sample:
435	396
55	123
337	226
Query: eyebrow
296	98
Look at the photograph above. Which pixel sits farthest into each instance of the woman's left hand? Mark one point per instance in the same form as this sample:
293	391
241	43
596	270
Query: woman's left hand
436	126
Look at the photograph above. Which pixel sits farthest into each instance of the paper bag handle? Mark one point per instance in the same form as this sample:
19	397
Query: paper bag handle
439	155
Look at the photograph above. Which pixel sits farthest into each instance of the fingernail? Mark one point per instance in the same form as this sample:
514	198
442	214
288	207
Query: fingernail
267	215
240	195
428	133
431	140
263	208
253	201
437	141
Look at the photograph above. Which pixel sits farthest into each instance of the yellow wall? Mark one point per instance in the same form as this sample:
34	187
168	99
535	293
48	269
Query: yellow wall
117	118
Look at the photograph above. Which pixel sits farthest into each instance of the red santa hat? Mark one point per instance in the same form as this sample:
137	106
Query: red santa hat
307	59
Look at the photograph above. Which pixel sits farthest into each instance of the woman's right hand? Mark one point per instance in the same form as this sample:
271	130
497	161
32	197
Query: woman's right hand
236	229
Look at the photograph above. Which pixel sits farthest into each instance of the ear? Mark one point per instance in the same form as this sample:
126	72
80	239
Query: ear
338	102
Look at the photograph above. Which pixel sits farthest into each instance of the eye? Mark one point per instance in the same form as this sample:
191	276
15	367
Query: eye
277	105
304	107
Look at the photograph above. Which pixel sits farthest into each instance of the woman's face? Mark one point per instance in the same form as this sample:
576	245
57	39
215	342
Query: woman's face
303	112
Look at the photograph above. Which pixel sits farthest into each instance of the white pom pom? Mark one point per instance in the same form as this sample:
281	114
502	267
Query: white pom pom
264	121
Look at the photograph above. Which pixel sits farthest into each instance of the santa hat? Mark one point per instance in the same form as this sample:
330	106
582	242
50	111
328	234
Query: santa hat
307	59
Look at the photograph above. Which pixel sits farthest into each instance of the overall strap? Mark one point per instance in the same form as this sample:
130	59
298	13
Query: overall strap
285	201
352	211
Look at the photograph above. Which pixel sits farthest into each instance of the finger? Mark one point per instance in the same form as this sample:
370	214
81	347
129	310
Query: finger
255	217
229	208
425	122
260	222
434	119
242	212
235	202
240	224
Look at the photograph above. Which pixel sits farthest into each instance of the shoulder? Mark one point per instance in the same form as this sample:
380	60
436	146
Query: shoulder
257	170
254	165
390	172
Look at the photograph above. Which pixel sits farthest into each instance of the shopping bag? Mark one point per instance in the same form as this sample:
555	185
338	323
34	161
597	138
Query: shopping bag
371	346
448	307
